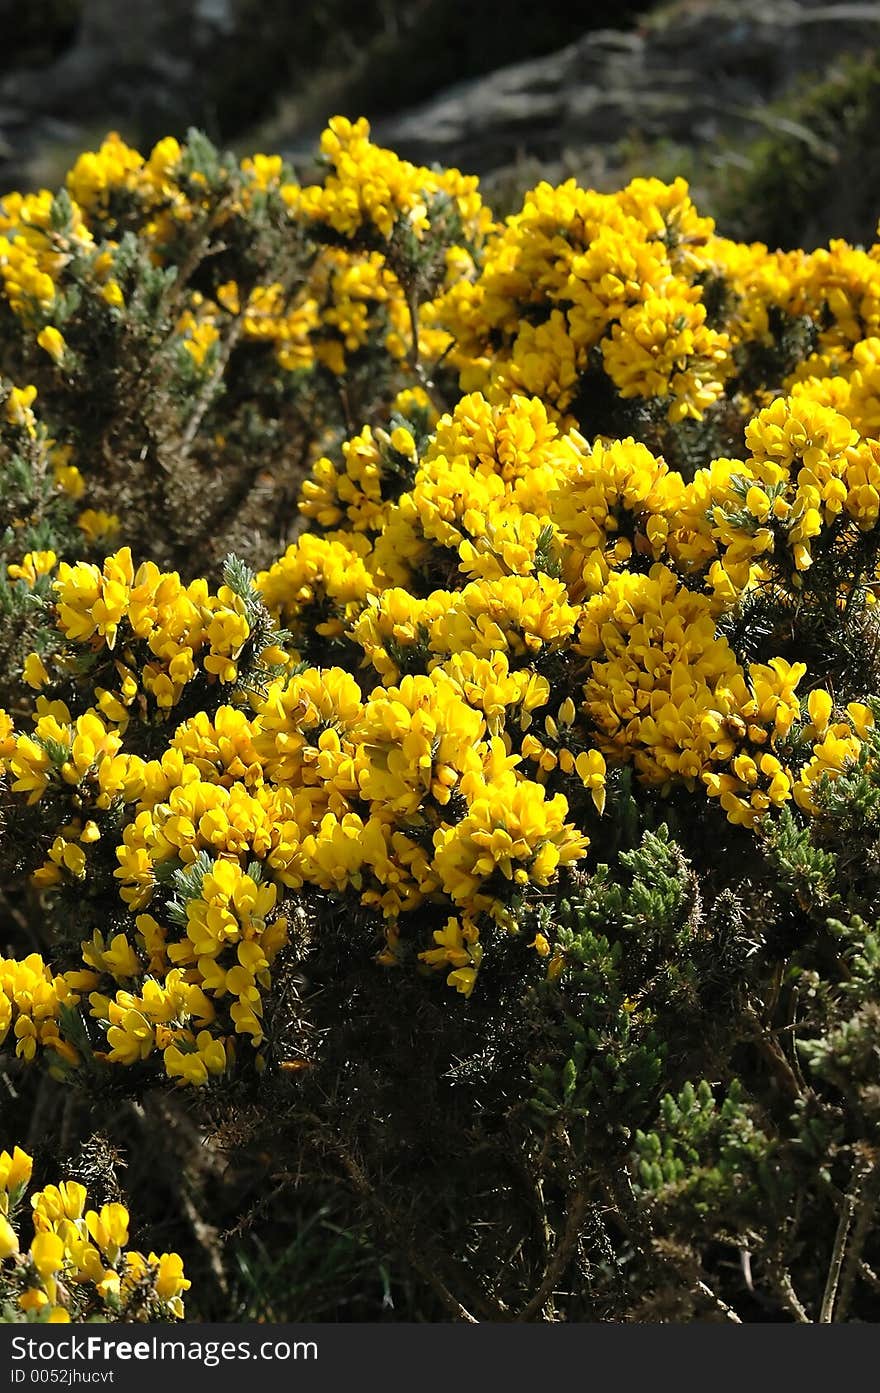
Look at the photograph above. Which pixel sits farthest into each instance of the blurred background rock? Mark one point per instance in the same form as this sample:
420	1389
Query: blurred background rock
768	107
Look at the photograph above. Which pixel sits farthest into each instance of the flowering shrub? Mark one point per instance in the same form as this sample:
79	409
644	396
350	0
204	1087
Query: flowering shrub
77	1266
564	700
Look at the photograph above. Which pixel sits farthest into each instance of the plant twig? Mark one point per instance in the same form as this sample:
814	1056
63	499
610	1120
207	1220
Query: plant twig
869	1275
416	1260
720	1304
560	1259
209	389
780	1280
643	1241
771	1051
850	1200
866	1205
413	357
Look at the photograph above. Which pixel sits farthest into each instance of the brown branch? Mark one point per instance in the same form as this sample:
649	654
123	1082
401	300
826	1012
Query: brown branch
868	1275
866	1206
727	1311
850	1200
413	359
771	1051
559	1261
646	1246
182	1135
780	1281
209	388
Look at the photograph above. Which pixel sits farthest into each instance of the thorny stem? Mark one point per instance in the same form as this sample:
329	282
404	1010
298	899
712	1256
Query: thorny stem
546	1235
643	1242
206	395
172	296
560	1259
769	1048
866	1205
850	1200
780	1280
415	364
416	1260
869	1275
727	1311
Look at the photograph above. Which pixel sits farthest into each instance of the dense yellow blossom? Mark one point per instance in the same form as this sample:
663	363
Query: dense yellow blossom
30	1004
77	1265
511	835
507	591
373	187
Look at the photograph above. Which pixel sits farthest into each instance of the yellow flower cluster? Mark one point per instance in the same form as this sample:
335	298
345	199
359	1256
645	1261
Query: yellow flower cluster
375	464
637	289
614	508
458	786
33	255
391	797
645	562
577	274
31	999
77	1265
372	188
227	938
510	830
495	607
97	175
348	297
187	631
809	486
665	691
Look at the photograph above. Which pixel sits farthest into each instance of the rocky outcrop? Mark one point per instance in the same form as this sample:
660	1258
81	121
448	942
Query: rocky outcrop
136	66
690	75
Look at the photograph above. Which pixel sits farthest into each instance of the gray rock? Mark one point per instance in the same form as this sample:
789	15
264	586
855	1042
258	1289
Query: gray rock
704	70
132	66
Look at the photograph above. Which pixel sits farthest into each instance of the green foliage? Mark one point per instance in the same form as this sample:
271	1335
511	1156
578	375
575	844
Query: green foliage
710	1160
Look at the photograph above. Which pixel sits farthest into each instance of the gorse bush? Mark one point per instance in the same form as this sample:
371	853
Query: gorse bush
77	1264
492	842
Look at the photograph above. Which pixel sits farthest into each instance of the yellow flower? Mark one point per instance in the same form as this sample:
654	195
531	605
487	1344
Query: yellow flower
33	565
58	1202
34	671
117	957
8	1239
15	1170
463	979
170	1279
53	342
132	1039
92	601
512	832
18	408
112	294
33	1299
47	1254
819	705
97	525
402	441
109	1229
